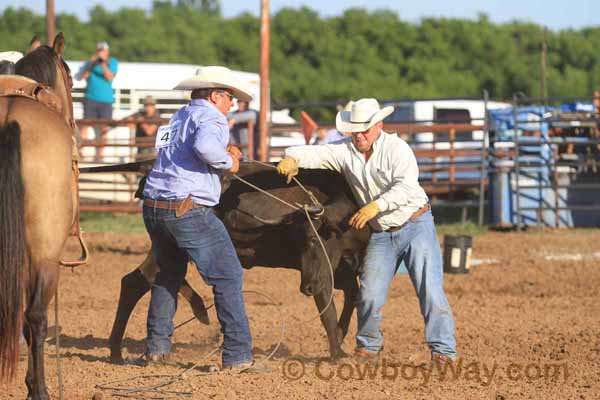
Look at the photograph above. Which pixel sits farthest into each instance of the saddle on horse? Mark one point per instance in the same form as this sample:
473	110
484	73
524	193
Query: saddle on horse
21	86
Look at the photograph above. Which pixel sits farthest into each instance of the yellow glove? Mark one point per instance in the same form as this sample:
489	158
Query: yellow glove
364	215
288	167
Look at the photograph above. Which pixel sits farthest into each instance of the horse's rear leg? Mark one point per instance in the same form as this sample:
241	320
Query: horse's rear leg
41	289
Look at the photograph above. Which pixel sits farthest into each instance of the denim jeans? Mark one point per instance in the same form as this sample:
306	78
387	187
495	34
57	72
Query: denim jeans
417	245
201	236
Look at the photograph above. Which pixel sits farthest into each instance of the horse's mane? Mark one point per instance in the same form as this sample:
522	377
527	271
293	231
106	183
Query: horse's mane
7	67
38	65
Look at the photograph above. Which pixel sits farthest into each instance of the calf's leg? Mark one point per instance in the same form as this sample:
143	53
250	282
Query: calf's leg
329	321
133	287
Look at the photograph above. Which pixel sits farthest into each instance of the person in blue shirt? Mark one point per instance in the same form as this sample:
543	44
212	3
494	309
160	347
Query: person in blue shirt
324	136
181	189
99	97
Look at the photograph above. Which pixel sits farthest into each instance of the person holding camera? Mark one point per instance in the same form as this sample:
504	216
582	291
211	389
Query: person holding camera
99	73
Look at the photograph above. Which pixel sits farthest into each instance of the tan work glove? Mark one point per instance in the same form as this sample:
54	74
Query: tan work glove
288	167
234	151
364	215
235	165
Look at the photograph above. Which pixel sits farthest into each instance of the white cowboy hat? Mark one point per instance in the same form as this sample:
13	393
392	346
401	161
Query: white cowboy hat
12	56
348	106
364	114
216	77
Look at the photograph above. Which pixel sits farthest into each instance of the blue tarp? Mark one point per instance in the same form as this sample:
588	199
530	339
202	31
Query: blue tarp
577	106
531	118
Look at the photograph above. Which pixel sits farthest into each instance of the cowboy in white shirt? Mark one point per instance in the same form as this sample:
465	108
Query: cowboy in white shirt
382	172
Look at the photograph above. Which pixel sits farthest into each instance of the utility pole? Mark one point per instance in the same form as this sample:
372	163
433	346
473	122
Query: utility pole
50	22
543	92
265	100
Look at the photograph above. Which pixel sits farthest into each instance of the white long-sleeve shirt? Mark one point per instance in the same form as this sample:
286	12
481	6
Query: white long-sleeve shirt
390	177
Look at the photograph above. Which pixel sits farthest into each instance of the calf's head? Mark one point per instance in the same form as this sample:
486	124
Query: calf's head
338	239
314	266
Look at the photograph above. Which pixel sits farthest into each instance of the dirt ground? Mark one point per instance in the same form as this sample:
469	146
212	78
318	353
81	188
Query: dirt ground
526	317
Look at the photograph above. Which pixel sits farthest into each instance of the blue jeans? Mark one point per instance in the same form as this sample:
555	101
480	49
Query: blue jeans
417	245
201	236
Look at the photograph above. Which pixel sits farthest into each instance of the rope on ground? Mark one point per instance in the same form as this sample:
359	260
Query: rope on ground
169	379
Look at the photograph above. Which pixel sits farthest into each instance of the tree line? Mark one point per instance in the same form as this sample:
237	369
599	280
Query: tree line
356	54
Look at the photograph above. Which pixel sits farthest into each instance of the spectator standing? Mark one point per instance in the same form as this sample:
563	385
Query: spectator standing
242	125
99	73
146	128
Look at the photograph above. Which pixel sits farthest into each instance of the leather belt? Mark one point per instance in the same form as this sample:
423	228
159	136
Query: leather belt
180	207
413	217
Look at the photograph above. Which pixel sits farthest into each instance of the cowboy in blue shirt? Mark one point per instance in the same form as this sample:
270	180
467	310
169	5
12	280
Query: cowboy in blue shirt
182	188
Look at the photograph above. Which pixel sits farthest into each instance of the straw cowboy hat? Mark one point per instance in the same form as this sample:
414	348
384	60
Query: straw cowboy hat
364	113
216	77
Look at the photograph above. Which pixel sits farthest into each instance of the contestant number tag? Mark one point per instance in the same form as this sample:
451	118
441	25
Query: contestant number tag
166	135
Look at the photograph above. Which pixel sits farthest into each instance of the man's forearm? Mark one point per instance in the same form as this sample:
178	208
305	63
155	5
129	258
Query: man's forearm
107	72
314	157
86	72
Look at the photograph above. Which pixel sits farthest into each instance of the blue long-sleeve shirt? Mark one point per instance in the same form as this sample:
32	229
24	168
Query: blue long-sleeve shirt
193	156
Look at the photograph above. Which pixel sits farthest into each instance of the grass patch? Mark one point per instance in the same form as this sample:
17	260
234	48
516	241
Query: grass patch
112	222
467	228
133	223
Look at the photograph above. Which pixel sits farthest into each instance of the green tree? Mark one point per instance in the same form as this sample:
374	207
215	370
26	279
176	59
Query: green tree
334	59
204	6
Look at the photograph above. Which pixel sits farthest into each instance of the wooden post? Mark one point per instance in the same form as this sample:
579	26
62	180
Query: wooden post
543	65
484	159
265	36
452	171
50	22
250	148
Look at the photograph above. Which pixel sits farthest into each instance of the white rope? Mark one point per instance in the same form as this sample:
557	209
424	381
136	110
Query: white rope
267	193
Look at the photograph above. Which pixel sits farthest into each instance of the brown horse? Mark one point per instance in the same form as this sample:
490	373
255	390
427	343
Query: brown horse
36	204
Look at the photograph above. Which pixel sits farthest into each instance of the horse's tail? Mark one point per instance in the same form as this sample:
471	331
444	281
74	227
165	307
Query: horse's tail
12	247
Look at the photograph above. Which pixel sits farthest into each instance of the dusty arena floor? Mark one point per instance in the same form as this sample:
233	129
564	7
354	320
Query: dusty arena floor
527	326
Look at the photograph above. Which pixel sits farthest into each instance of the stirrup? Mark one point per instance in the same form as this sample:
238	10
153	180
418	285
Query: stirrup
84	254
